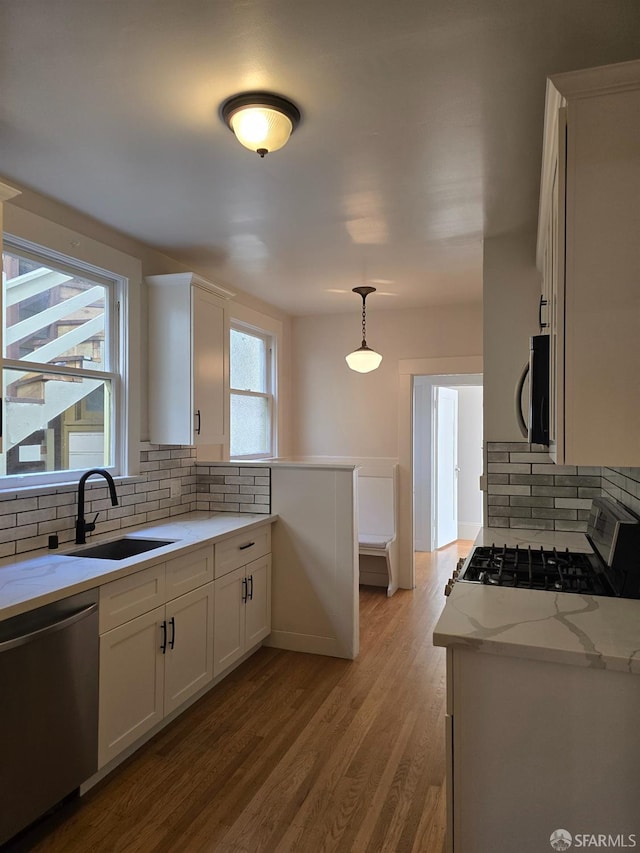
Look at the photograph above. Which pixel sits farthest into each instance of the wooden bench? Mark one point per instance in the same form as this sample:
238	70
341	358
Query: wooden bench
377	526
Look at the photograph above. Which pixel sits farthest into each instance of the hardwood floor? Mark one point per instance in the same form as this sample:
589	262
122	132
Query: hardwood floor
292	752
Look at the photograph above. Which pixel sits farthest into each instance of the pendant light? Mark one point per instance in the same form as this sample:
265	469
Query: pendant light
364	359
261	121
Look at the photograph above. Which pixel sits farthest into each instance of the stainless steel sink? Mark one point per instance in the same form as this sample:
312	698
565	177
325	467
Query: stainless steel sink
120	549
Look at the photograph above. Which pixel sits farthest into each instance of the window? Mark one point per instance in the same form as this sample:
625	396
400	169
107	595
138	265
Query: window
252	399
60	382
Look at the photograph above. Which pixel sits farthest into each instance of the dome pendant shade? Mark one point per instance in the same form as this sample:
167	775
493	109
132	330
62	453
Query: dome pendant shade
364	359
261	121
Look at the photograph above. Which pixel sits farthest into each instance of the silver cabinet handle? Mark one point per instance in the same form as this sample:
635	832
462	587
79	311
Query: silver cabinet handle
24	639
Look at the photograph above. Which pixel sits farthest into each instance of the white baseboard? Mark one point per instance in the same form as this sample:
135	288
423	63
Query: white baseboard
305	643
468	529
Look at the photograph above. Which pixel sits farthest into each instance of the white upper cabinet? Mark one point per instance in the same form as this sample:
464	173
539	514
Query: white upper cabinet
589	254
188	360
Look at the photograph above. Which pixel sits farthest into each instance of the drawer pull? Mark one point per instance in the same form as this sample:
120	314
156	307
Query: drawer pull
251	588
163	645
248	545
244	590
172	641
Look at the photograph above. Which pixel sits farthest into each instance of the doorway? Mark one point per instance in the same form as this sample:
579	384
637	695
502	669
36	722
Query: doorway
447	458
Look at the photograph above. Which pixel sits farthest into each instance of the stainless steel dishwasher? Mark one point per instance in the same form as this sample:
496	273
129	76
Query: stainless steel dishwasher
48	707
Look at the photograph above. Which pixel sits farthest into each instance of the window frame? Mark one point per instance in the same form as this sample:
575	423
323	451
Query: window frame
116	317
269	340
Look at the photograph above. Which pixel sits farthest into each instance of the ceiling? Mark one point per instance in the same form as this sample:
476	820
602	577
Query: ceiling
421	131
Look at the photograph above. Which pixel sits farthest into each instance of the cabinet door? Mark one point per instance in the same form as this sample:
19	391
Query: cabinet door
229	620
189	655
602	296
131	683
557	298
209	367
258	607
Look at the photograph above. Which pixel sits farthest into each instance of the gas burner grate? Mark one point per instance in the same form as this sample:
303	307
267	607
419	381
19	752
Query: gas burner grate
530	568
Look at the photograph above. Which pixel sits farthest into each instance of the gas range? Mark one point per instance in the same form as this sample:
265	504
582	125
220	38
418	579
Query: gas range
612	569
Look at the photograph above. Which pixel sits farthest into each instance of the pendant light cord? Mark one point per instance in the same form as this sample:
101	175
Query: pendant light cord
364	321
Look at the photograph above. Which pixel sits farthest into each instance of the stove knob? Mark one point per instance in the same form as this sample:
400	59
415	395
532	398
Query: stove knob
449	586
456	572
460	563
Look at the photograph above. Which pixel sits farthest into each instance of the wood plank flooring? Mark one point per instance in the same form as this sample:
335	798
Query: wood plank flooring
292	752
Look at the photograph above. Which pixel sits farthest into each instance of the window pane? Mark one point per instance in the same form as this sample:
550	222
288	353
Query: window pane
249	425
248	362
52	317
54	422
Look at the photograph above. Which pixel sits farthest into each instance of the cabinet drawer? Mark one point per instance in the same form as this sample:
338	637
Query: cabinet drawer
128	597
242	548
189	571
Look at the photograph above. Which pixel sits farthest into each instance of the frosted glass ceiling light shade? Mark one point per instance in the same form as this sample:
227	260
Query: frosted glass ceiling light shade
364	359
261	121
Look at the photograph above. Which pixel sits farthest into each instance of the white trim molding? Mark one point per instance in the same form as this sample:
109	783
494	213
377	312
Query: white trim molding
7	192
407	369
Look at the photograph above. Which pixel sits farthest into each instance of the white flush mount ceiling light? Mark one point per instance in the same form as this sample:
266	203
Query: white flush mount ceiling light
261	121
364	359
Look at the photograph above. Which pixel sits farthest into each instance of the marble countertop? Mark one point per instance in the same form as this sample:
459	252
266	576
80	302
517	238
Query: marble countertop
581	630
45	576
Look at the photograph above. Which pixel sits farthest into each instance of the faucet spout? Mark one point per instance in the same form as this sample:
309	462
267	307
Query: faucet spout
83	527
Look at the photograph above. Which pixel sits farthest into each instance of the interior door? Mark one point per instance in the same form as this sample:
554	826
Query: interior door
446	466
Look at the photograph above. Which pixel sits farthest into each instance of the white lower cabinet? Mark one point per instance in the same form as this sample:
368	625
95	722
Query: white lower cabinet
152	665
131	683
242	611
188	664
534	746
167	630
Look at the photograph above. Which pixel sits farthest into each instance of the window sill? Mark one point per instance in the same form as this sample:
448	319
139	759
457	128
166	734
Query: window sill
60	488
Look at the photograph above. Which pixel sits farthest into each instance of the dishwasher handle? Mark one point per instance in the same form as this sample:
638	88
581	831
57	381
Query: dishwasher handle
25	639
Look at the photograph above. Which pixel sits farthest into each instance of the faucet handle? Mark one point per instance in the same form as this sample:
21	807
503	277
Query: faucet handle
91	525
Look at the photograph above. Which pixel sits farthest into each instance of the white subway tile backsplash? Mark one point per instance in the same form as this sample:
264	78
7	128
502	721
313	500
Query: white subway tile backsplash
509	490
573	503
555	495
529	457
27	522
508	468
18	505
233	488
560	495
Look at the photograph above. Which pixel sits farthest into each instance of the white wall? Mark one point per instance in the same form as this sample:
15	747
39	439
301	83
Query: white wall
511	287
340	413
